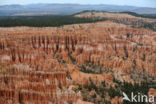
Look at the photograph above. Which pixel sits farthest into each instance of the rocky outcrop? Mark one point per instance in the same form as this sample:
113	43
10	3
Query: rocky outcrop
117	100
41	63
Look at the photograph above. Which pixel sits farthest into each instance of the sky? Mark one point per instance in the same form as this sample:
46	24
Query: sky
139	3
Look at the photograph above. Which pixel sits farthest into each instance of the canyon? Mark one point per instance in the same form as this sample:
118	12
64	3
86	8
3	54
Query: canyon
49	65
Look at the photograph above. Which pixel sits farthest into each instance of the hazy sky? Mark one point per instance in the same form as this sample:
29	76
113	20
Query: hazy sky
140	3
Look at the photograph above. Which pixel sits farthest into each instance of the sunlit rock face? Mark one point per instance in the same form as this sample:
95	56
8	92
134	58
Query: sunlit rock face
39	65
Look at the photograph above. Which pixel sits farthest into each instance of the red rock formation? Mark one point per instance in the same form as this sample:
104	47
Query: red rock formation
35	62
117	100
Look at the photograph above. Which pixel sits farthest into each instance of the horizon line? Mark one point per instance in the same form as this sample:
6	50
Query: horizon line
74	4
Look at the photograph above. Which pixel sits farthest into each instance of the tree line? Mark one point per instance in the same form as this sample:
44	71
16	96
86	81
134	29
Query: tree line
43	21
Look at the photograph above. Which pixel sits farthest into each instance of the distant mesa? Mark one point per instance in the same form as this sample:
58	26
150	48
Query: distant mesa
67	9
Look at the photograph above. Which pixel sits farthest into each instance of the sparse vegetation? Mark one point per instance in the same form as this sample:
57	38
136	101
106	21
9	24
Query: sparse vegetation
101	90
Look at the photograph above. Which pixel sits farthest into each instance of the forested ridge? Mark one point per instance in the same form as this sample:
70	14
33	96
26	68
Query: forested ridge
43	21
53	20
